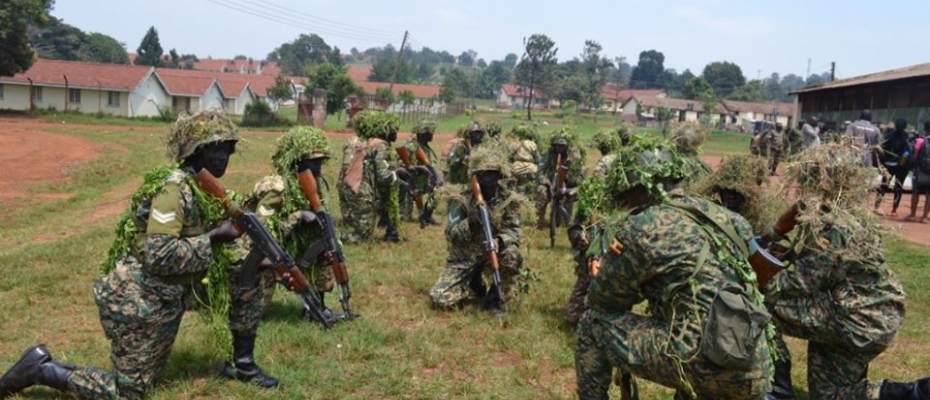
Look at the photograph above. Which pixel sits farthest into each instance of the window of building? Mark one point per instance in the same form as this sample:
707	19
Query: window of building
112	99
36	94
74	96
1	91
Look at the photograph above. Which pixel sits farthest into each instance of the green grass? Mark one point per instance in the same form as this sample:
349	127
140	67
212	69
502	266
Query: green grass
399	348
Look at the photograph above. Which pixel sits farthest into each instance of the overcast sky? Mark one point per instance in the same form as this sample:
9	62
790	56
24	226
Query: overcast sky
760	36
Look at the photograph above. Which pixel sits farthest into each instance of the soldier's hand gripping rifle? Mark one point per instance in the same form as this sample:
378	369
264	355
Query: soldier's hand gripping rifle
328	244
284	266
424	161
412	184
558	195
765	264
490	243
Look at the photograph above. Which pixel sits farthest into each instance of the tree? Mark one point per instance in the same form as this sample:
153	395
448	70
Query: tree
649	70
306	50
595	70
751	91
57	40
620	75
697	89
280	92
446	92
338	85
16	55
791	82
240	57
467	58
459	82
497	72
384	95
406	98
536	68
724	77
510	60
150	51
174	59
103	49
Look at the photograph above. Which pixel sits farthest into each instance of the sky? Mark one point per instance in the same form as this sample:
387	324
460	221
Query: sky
762	37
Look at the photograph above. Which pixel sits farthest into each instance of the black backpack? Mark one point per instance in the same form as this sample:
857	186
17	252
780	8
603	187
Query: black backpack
923	157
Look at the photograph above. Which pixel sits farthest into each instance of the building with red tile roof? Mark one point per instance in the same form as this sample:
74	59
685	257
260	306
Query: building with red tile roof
426	98
358	73
513	97
124	90
193	93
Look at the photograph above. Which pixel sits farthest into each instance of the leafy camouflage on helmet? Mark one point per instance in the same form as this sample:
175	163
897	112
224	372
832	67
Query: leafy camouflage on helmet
472	126
744	174
370	123
192	131
689	136
650	161
606	141
491	155
525	132
493	129
299	142
424	126
564	135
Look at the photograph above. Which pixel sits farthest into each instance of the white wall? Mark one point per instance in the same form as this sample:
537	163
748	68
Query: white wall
212	99
148	98
15	97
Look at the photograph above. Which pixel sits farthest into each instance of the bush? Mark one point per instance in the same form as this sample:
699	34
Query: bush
259	114
167	114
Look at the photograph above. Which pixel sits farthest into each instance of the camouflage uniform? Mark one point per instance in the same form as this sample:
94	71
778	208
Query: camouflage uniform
461	278
688	137
422	182
778	147
845	302
546	176
524	156
360	210
659	251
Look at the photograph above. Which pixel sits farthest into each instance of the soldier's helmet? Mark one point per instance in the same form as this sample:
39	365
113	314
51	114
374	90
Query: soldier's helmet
653	163
834	171
779	125
689	137
524	132
564	136
493	129
606	141
371	123
474	126
424	126
298	143
490	157
204	127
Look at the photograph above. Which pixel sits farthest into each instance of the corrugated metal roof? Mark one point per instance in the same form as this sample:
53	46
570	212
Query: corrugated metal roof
884	76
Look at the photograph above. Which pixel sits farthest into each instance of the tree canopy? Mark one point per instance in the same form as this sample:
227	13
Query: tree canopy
16	54
338	85
649	70
150	51
724	77
306	50
536	69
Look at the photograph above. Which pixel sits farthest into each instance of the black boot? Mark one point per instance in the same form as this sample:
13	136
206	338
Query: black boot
426	218
391	235
782	389
917	390
245	368
35	367
477	286
330	314
493	302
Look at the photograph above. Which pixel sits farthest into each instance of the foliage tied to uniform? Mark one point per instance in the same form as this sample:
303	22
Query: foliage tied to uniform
189	132
650	161
371	123
295	144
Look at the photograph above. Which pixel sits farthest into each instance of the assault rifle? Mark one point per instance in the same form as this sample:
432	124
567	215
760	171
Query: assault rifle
490	243
415	171
328	245
264	246
412	184
764	263
559	212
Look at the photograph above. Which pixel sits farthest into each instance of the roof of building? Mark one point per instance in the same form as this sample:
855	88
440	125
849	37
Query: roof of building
758	108
611	93
419	91
186	85
211	64
512	90
231	83
117	77
358	73
884	76
672	104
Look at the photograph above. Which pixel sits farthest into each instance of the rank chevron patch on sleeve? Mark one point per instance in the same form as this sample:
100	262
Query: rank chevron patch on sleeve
163	218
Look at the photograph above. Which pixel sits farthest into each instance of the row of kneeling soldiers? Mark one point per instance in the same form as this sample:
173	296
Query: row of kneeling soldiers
652	223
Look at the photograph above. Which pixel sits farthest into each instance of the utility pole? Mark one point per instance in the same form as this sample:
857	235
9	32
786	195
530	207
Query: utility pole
832	71
806	77
400	53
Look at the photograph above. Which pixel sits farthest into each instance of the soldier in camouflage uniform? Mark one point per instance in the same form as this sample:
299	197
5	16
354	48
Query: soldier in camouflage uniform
562	143
145	294
279	204
423	135
689	137
677	252
778	146
461	279
524	157
369	180
455	168
737	185
841	296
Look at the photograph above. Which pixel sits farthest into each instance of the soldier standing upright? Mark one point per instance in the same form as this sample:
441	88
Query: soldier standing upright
524	156
562	147
456	166
425	182
778	146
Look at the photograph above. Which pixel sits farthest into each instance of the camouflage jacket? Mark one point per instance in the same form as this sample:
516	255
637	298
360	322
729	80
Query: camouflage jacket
277	203
525	157
576	169
655	254
778	142
847	263
412	146
504	210
456	167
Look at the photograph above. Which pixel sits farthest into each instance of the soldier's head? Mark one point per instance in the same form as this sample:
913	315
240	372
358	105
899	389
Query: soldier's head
900	125
866	115
626	133
203	140
779	127
371	123
493	129
299	149
524	132
489	164
688	137
832	173
736	182
812	121
474	133
560	142
425	129
645	171
606	141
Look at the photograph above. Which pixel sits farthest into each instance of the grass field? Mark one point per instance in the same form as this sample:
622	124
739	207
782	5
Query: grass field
399	349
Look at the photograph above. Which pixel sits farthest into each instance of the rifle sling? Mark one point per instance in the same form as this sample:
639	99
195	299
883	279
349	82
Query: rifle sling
312	253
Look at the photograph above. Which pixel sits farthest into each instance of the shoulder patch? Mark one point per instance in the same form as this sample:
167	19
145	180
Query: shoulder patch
265	211
176	176
616	246
163	217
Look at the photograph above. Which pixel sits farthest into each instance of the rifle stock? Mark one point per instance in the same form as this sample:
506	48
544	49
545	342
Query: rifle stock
412	188
284	266
424	160
334	255
763	263
490	244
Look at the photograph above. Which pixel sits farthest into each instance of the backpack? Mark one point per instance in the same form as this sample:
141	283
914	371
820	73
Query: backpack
923	158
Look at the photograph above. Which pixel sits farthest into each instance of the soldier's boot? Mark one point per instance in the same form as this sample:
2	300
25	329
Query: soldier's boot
477	286
782	389
493	302
426	218
35	367
244	360
391	235
330	314
917	390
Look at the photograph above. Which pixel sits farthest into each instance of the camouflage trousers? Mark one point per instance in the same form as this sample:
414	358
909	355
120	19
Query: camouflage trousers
835	370
525	183
140	315
359	215
248	304
776	157
640	345
576	305
457	282
543	198
407	202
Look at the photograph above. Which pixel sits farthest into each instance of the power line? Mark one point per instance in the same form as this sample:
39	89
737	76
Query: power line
287	16
282	19
337	24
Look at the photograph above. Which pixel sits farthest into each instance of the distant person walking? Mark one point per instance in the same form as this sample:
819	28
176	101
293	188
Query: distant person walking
811	133
921	182
894	158
864	130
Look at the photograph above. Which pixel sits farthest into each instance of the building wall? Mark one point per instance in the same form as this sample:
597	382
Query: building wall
212	99
15	97
438	107
503	100
148	98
